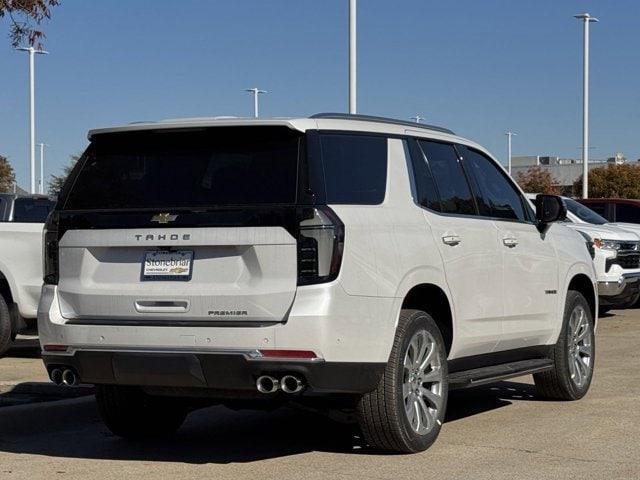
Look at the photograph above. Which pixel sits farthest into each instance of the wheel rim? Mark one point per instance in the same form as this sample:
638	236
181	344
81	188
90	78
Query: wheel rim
580	348
422	382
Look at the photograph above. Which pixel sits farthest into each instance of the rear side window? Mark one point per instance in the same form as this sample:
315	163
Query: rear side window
32	210
497	197
455	194
355	168
627	213
206	167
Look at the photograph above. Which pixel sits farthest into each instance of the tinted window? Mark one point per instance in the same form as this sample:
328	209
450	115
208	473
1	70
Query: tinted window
497	197
355	168
455	194
584	213
627	213
599	208
426	192
208	167
31	210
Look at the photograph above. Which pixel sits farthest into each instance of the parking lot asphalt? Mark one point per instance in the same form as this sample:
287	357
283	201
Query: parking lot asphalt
494	432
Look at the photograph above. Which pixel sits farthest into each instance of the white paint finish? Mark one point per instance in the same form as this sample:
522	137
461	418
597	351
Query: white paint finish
252	270
21	263
530	272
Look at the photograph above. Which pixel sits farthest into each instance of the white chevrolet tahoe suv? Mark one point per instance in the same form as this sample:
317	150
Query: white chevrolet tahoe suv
21	220
353	262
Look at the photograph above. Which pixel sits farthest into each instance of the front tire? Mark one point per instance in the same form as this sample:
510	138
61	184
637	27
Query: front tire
406	411
5	326
573	354
130	413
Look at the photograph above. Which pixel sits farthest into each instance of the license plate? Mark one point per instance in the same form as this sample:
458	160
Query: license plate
165	265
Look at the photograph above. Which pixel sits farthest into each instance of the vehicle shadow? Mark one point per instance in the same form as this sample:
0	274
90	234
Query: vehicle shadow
24	348
73	429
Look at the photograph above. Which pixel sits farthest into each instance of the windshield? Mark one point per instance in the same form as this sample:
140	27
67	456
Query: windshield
584	213
190	168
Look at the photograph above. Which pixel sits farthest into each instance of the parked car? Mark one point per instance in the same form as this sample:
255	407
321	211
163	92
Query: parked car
615	210
616	255
21	220
338	261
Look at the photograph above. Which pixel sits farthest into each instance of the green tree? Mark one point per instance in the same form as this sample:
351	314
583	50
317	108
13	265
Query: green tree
537	180
612	181
57	181
24	18
7	175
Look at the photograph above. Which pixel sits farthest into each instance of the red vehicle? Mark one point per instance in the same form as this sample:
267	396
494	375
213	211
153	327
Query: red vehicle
616	210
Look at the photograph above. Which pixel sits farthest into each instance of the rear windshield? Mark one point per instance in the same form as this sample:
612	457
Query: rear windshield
195	168
32	210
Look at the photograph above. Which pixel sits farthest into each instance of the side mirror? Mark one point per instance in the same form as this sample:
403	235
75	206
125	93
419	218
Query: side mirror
549	209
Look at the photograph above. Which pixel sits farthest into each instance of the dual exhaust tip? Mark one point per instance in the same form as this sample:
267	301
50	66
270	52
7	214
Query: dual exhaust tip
288	384
65	376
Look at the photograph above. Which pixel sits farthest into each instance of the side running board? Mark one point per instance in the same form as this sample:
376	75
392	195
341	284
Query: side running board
494	373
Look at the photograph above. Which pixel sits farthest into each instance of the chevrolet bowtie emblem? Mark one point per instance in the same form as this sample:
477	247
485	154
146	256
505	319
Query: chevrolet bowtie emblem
164	218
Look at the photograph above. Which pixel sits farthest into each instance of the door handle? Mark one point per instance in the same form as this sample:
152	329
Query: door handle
452	240
510	242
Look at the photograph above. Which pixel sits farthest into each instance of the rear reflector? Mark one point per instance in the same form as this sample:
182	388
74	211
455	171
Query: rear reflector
55	348
306	354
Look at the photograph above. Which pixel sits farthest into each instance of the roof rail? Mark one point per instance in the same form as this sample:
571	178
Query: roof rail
372	118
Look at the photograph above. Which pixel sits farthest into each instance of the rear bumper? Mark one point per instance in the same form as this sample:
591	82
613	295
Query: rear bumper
224	372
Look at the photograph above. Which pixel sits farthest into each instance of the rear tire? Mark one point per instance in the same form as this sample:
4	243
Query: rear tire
573	354
5	326
406	411
130	413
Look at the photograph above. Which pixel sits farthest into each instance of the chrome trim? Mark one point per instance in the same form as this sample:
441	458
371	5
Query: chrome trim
613	288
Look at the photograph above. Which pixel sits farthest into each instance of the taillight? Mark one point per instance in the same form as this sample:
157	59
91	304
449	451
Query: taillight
50	263
320	246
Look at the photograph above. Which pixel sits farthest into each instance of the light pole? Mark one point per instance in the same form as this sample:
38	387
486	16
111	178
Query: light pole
32	111
255	91
417	118
509	135
586	20
42	145
352	57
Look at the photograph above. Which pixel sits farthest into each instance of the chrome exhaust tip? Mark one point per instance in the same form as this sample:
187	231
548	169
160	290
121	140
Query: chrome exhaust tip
69	378
56	376
291	384
267	384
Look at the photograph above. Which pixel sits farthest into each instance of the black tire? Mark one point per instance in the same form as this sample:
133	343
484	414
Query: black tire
558	383
5	326
381	413
630	303
604	310
130	413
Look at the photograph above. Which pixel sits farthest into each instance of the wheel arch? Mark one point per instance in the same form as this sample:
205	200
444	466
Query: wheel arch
580	282
433	300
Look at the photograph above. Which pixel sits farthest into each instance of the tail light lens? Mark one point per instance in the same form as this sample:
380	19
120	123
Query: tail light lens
320	246
50	255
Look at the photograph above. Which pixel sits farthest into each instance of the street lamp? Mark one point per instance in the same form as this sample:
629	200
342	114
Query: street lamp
417	118
509	135
255	92
352	57
42	145
586	20
32	109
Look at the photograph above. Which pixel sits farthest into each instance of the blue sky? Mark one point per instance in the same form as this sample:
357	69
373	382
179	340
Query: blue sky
478	67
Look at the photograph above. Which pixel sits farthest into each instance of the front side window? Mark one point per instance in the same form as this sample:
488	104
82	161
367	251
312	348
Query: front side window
496	196
355	168
627	213
32	210
455	193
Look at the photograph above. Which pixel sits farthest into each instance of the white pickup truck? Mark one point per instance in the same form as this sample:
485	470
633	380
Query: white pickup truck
21	220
